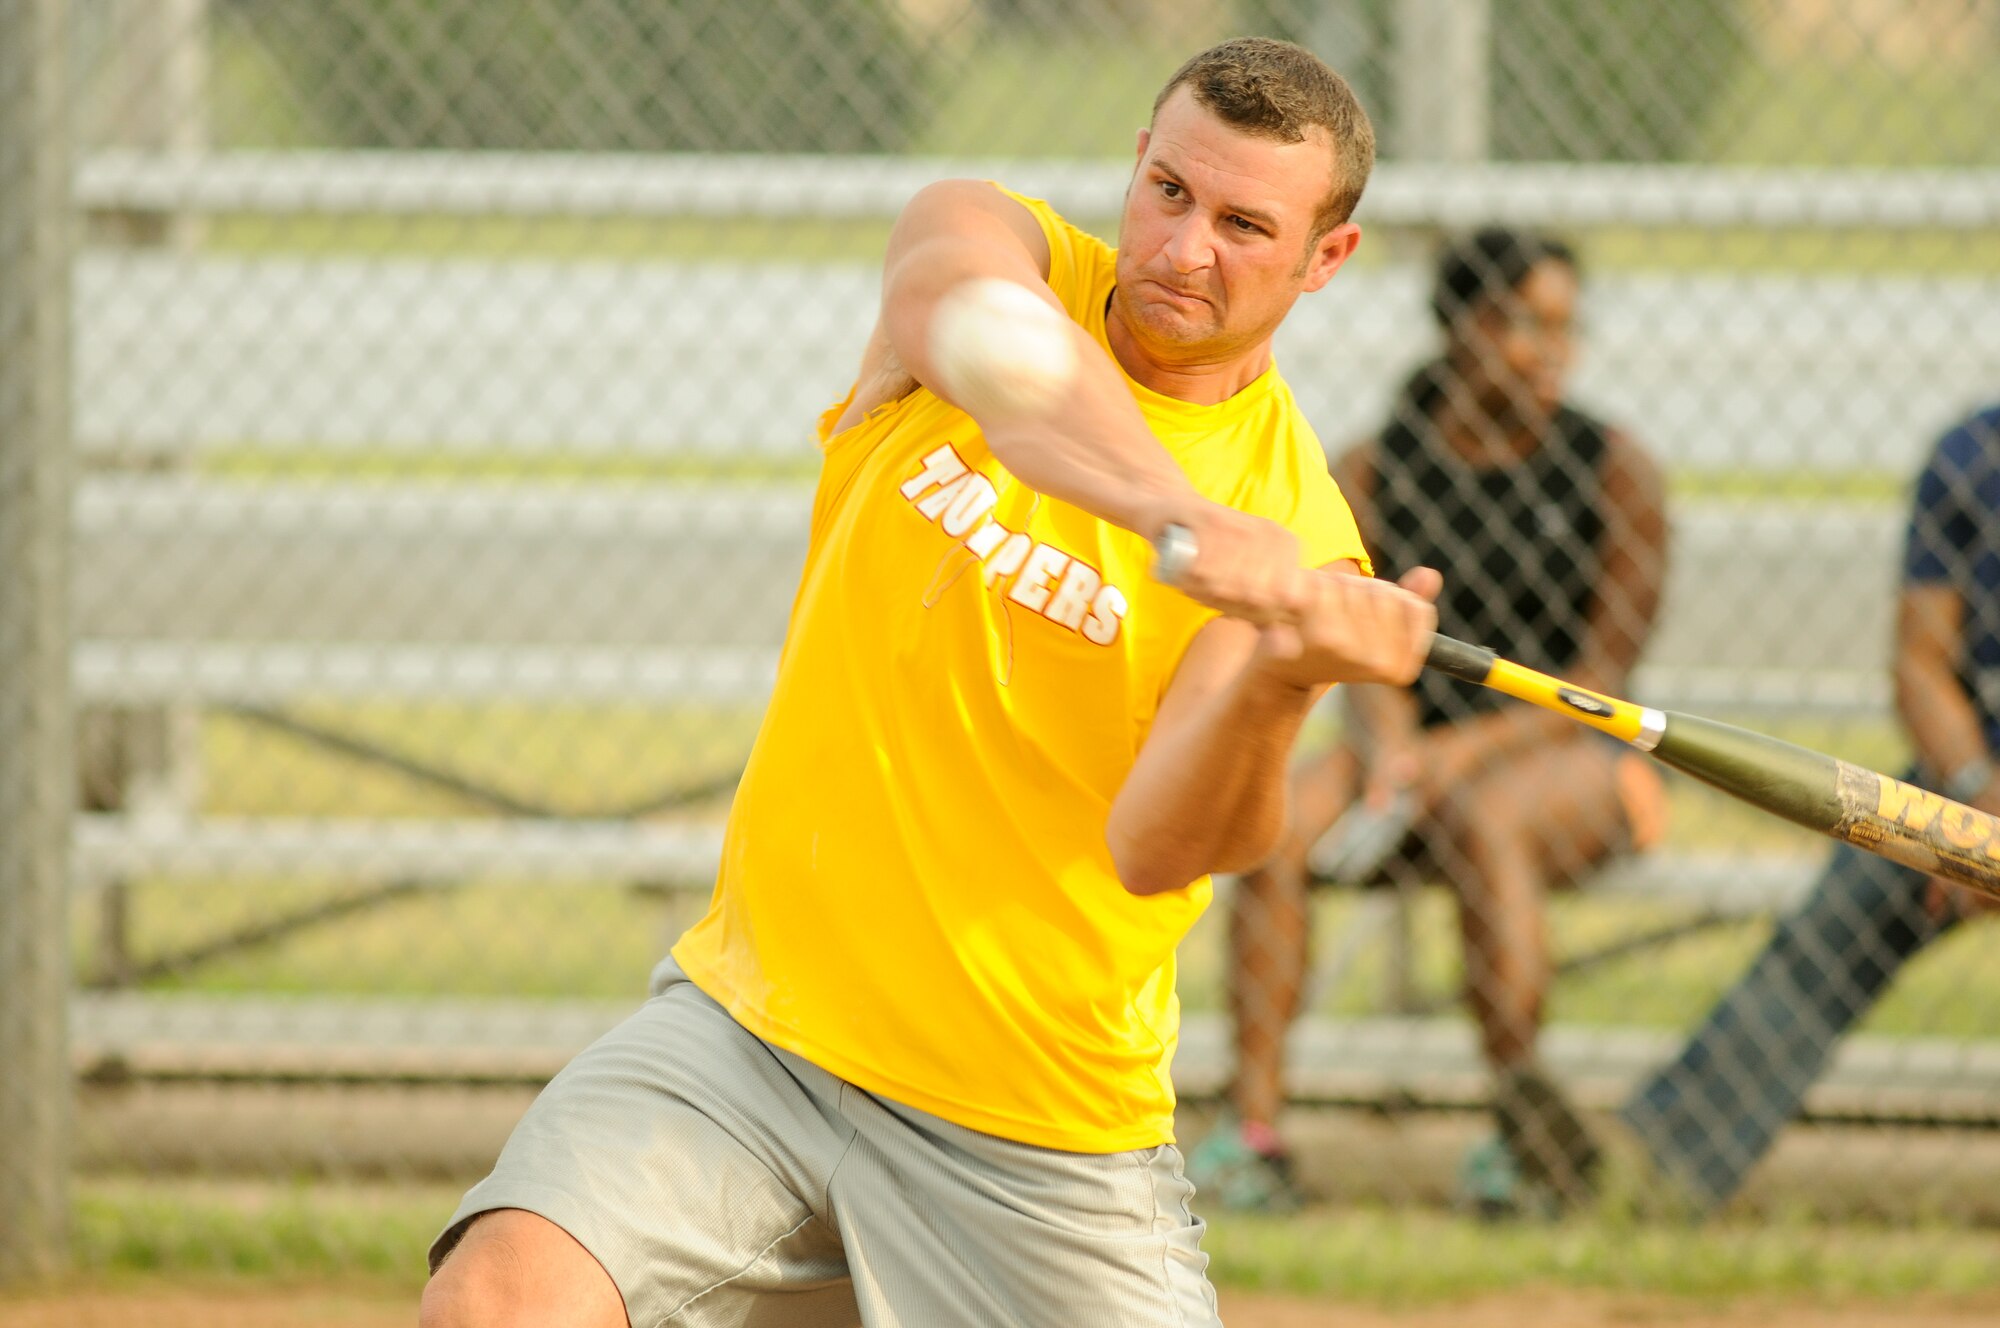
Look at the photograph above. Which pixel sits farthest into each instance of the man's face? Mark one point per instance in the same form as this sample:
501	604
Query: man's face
1216	242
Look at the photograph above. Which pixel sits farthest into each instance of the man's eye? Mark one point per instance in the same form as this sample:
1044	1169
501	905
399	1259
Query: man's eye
1244	224
1170	189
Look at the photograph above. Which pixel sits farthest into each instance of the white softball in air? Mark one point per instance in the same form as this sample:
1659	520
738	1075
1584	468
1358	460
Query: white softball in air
999	349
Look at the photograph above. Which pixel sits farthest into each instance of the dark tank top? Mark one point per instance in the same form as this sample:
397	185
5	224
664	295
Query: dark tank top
1520	544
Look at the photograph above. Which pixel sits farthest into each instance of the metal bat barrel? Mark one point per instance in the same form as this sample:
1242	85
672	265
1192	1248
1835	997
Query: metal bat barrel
1868	809
1798	784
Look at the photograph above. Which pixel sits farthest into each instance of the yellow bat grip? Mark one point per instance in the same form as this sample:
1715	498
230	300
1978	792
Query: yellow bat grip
1607	714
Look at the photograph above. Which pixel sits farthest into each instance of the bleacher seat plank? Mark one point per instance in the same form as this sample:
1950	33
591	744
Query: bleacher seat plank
428	852
1429	1063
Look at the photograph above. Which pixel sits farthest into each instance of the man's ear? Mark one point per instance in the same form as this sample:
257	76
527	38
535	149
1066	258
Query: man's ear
1329	252
1145	137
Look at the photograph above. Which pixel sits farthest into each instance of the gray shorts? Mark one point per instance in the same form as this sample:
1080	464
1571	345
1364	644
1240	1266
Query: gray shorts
722	1181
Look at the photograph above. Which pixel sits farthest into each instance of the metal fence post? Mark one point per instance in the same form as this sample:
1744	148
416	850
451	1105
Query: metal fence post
151	95
36	753
1443	70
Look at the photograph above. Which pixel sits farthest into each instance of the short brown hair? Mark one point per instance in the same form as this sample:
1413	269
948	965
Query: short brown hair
1274	89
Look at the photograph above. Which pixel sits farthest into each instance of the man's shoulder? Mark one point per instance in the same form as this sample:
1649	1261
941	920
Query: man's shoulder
1290	430
1971	447
1079	262
1052	218
1981	429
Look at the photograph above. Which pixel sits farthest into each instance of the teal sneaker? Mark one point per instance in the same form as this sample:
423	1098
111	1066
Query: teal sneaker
1550	1144
1490	1186
1229	1171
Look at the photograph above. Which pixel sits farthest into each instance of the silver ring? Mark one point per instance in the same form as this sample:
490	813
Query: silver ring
1173	554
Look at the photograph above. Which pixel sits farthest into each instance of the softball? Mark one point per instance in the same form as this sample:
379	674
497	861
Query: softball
999	349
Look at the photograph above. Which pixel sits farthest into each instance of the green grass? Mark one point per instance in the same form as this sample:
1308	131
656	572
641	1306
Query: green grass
1865	113
490	941
344	1234
1021	97
1401	1257
266	1231
499	938
575	760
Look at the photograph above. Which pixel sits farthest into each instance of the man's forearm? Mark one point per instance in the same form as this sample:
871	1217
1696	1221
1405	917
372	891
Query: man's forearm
1939	716
1099	460
1091	447
1211	795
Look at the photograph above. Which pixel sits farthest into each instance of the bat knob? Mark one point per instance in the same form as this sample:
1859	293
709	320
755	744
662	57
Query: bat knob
1174	552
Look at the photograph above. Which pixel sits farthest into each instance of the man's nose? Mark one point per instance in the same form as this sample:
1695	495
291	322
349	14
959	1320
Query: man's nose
1191	247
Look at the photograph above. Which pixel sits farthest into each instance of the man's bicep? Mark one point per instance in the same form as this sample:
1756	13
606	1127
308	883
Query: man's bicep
950	214
943	219
1218	652
951	232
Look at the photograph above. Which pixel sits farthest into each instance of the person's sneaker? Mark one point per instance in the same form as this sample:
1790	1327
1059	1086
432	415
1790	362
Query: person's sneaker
1490	1187
1242	1167
1551	1146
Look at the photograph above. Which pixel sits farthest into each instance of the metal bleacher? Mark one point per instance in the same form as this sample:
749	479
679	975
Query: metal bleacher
213	591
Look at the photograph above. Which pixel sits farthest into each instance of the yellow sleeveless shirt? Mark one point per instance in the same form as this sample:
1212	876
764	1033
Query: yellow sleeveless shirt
915	892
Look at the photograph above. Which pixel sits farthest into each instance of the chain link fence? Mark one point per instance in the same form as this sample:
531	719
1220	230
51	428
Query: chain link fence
441	384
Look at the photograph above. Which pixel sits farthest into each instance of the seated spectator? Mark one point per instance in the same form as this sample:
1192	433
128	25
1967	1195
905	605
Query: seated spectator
1549	528
1709	1116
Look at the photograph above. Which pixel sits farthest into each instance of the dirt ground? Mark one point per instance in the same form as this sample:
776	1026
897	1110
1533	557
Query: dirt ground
319	1308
